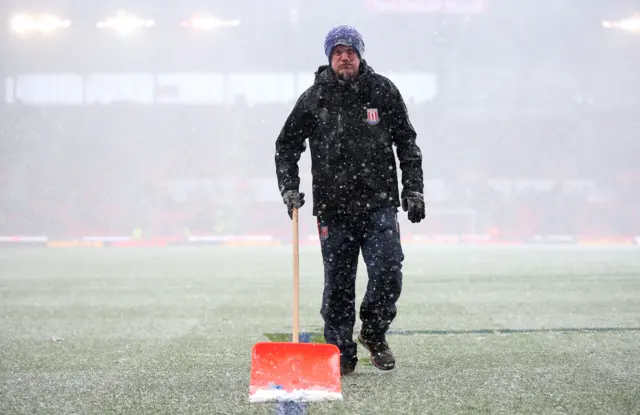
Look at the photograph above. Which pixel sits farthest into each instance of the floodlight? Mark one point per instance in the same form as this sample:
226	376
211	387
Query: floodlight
628	25
125	23
45	24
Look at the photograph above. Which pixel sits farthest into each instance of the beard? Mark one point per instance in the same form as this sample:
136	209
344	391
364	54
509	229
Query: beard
347	76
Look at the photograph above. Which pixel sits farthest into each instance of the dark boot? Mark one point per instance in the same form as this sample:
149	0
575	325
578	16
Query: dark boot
348	362
347	368
381	356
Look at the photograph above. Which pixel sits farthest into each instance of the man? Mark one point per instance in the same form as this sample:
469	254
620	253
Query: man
352	117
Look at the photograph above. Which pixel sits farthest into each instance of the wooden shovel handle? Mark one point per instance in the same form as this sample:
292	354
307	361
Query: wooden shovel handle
296	277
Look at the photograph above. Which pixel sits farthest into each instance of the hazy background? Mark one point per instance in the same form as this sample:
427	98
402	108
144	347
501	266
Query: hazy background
527	114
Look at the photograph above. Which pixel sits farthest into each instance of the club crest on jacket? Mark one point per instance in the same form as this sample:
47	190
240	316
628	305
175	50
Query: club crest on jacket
323	231
372	116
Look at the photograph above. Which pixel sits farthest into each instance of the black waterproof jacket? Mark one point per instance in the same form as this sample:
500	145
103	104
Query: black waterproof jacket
351	128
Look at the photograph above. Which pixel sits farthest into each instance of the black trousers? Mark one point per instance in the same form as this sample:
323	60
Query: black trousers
342	238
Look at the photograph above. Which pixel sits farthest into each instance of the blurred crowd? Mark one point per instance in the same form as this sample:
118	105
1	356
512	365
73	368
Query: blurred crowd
528	125
107	170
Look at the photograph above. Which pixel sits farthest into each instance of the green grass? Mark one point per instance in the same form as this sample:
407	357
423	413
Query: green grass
171	330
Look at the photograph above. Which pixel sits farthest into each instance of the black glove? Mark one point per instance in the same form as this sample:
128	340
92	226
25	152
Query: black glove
413	202
293	199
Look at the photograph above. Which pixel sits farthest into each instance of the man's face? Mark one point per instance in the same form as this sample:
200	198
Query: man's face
345	62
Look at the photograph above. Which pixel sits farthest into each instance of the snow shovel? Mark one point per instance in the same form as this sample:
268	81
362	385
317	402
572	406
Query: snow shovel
294	371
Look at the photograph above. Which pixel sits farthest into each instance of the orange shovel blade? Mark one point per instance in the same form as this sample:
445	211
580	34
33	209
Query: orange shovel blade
295	371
